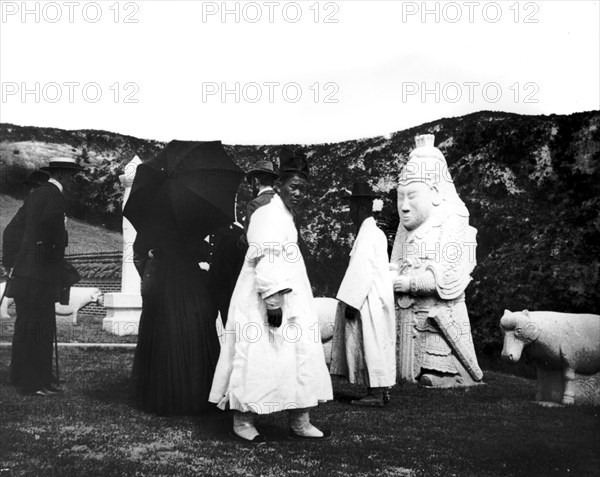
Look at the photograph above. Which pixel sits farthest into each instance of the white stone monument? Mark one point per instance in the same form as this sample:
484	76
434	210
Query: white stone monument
123	309
433	256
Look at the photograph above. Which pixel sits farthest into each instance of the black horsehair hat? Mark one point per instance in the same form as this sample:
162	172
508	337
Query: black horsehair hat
361	190
293	162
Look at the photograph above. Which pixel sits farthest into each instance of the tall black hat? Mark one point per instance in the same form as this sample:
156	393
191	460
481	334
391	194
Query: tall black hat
361	190
293	161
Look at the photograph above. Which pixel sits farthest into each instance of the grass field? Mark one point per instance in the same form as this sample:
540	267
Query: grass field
93	429
88	329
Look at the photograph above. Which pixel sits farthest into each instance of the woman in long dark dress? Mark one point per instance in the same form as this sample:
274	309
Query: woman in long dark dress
178	347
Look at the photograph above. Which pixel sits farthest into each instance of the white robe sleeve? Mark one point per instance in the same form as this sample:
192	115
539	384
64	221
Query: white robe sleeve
267	245
360	275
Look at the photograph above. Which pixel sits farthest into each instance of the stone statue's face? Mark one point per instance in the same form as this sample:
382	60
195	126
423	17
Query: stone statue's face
415	204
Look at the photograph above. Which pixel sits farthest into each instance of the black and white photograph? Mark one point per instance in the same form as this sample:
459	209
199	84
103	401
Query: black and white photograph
300	238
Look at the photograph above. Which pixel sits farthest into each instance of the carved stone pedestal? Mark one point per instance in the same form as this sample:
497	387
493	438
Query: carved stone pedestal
550	387
122	313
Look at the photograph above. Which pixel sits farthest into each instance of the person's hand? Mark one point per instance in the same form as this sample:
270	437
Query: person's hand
402	284
155	253
275	317
350	313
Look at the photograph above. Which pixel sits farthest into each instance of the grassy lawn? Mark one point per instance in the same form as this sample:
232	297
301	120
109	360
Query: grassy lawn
93	429
88	329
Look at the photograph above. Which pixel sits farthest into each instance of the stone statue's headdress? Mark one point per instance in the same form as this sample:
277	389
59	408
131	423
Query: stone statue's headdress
427	164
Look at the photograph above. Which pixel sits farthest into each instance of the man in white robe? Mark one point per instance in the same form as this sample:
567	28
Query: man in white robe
364	341
271	353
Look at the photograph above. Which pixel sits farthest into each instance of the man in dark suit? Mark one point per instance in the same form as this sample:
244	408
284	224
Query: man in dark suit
226	261
13	232
261	177
229	244
36	280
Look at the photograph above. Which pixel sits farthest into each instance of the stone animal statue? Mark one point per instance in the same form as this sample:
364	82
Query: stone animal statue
79	297
326	311
5	303
562	345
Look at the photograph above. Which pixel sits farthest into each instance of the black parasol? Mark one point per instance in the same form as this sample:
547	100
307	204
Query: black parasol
183	194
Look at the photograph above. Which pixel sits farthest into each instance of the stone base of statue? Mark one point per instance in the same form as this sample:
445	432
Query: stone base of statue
550	387
411	349
122	313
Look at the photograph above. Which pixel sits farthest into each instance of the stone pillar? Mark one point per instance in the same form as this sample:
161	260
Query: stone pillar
130	278
123	309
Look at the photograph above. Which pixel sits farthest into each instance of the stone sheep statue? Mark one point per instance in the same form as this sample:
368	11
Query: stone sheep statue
565	348
79	297
5	303
326	311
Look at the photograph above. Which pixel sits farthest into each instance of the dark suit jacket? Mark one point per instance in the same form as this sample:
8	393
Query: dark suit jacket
44	238
257	202
225	265
11	238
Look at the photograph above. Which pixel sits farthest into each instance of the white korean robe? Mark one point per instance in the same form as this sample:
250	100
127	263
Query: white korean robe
260	368
364	349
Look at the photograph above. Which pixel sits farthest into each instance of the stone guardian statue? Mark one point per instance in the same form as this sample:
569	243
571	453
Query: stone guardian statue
432	260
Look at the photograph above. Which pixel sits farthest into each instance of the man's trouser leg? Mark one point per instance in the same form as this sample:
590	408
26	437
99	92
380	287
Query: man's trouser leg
31	363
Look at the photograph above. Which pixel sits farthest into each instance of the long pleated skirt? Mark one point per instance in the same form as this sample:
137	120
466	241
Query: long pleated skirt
177	348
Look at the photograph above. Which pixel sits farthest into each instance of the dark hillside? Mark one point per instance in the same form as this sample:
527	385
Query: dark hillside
531	183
